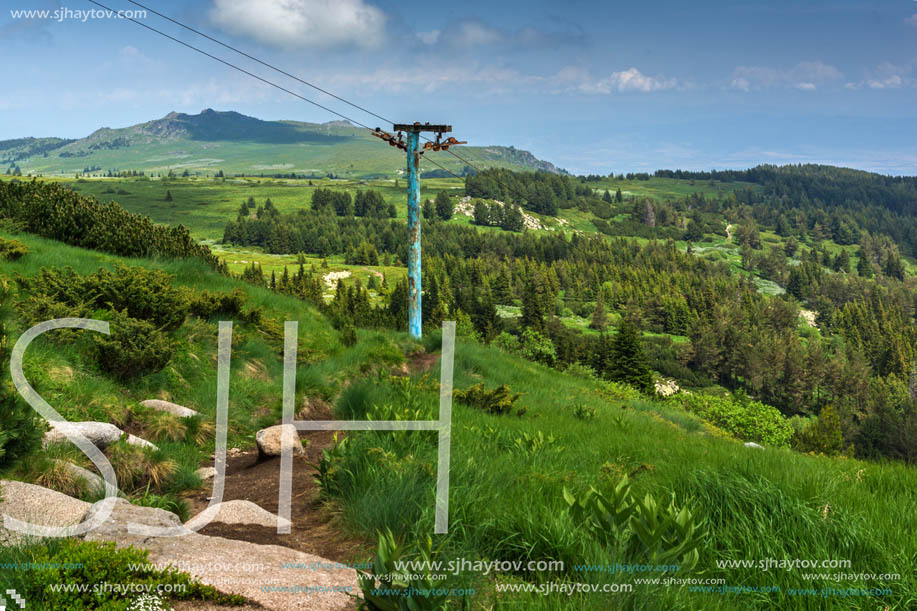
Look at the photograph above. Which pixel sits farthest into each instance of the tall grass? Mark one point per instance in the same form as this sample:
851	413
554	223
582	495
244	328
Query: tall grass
507	504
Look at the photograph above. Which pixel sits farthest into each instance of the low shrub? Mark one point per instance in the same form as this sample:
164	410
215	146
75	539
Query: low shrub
822	435
11	250
144	294
746	419
206	304
133	347
71	561
496	401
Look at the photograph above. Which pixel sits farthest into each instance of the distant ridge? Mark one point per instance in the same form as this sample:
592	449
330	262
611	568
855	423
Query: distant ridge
239	144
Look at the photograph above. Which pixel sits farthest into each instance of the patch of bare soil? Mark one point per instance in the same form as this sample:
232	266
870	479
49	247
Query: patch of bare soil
314	529
421	362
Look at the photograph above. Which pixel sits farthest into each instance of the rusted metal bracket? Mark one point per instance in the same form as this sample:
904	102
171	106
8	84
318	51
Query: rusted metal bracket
437	145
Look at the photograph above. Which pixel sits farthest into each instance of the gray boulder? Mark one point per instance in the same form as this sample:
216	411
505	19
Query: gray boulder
137	441
37	505
241	566
239	512
269	440
752	444
167	406
100	434
115	527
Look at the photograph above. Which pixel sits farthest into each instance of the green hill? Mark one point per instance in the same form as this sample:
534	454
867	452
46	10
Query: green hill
237	144
509	470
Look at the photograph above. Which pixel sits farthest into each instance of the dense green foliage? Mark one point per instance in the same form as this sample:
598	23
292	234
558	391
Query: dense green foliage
496	401
744	418
141	305
738	336
51	211
541	192
12	249
641	529
100	566
20	431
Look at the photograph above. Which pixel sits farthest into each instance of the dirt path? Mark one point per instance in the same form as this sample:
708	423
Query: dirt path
315	529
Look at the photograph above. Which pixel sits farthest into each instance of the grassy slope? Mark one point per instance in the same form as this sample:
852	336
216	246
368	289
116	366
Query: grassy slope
505	505
75	387
205	204
345	151
757	504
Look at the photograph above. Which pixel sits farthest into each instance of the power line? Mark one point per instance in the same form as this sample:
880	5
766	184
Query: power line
263	63
235	67
287	74
255	76
292	76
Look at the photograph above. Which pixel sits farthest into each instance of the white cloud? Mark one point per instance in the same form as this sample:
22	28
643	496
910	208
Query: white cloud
429	38
886	76
630	80
806	76
474	33
479	80
470	34
894	81
912	20
303	23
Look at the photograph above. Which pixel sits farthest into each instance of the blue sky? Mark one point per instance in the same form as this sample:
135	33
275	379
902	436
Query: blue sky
591	86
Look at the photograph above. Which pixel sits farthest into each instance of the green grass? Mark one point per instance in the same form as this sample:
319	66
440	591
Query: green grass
269	148
667	189
73	384
508	505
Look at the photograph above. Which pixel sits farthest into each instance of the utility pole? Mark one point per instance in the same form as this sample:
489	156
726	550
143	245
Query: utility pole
414	151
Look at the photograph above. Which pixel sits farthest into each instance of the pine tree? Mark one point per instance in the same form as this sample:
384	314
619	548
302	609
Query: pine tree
481	213
649	214
842	262
607	197
619	197
629	358
168	196
512	218
444	207
533	302
429	212
599	318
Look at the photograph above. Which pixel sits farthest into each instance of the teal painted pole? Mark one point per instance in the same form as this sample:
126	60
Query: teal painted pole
414	309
